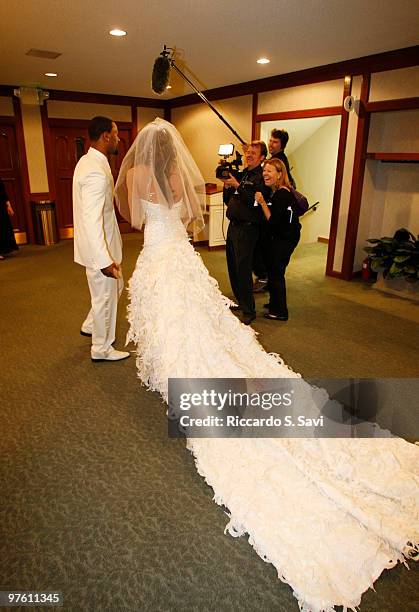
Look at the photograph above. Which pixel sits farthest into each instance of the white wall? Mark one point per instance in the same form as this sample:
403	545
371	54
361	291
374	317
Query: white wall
314	171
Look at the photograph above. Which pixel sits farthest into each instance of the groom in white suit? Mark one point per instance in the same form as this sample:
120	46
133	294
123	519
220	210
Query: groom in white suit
97	240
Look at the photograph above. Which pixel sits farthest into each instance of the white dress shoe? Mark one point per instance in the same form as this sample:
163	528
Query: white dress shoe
111	355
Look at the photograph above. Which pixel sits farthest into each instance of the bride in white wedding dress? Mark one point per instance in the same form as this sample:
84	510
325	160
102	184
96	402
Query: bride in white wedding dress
329	514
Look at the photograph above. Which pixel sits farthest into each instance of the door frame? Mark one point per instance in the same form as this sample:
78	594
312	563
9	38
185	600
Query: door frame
47	125
21	237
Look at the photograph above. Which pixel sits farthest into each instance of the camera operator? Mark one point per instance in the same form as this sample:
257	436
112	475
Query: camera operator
243	230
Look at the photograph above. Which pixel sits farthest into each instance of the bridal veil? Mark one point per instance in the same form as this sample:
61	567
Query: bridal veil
158	168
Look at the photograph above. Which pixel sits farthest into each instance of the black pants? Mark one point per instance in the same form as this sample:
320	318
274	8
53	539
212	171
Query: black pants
240	245
278	256
261	253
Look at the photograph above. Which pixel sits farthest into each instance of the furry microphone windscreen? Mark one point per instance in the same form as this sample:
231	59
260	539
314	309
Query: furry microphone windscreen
160	77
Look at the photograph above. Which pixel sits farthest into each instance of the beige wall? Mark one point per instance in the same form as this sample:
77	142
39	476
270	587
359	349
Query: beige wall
395	132
393	84
145	115
390	197
86	110
314	170
347	180
6	106
317	95
34	145
203	131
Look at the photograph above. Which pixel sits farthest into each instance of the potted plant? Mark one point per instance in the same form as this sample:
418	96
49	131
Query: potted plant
396	260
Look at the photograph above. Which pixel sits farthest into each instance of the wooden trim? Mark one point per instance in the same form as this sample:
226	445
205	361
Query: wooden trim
340	165
335	274
392	105
40	196
255	126
99	98
7	90
394	157
300	114
66	232
48	152
134	122
380	62
7	120
357	181
23	167
323	239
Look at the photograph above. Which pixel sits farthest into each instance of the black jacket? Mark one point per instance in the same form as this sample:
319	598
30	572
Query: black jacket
240	202
283	222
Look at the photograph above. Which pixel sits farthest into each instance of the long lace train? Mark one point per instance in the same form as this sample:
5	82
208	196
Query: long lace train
329	514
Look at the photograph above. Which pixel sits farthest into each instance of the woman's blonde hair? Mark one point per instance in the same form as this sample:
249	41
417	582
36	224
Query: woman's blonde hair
279	165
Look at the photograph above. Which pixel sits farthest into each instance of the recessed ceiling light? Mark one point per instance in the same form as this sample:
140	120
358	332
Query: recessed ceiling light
263	60
117	32
50	74
168	87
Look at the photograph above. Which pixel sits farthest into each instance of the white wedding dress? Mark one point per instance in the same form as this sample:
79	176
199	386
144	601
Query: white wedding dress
329	514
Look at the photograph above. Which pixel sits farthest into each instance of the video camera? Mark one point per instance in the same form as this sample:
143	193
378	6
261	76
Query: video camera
225	167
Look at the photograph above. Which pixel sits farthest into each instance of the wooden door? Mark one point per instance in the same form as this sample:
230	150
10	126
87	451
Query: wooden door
10	174
68	145
115	162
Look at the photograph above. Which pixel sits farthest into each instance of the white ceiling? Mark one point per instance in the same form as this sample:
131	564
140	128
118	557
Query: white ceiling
218	40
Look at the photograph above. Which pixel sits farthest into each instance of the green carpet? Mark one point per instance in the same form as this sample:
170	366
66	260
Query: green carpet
95	500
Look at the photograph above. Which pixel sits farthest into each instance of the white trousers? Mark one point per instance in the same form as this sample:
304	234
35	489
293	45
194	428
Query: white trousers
101	320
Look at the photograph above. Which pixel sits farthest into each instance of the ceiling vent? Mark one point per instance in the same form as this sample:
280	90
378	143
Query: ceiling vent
42	53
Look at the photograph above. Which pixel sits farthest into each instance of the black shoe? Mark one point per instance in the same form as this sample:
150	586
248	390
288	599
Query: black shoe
247	319
260	285
275	317
235	307
267	305
82	333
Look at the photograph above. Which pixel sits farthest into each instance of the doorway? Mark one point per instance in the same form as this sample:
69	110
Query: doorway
312	152
10	175
69	141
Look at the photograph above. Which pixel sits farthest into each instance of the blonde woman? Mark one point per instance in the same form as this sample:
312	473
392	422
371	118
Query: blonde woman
284	233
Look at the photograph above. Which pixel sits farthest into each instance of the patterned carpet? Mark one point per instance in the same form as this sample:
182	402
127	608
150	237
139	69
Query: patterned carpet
96	502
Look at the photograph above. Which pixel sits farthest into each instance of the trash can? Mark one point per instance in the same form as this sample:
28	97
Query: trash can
45	222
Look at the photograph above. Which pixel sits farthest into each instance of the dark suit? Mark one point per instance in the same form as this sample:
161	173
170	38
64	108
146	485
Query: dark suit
242	235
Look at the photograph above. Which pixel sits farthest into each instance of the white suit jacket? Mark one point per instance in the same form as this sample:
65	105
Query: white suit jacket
97	240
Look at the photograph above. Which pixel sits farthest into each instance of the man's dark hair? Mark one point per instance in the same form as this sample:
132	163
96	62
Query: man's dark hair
262	147
97	126
281	135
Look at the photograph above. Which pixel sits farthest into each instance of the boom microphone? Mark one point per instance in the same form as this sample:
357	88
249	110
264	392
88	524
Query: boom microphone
161	71
160	79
